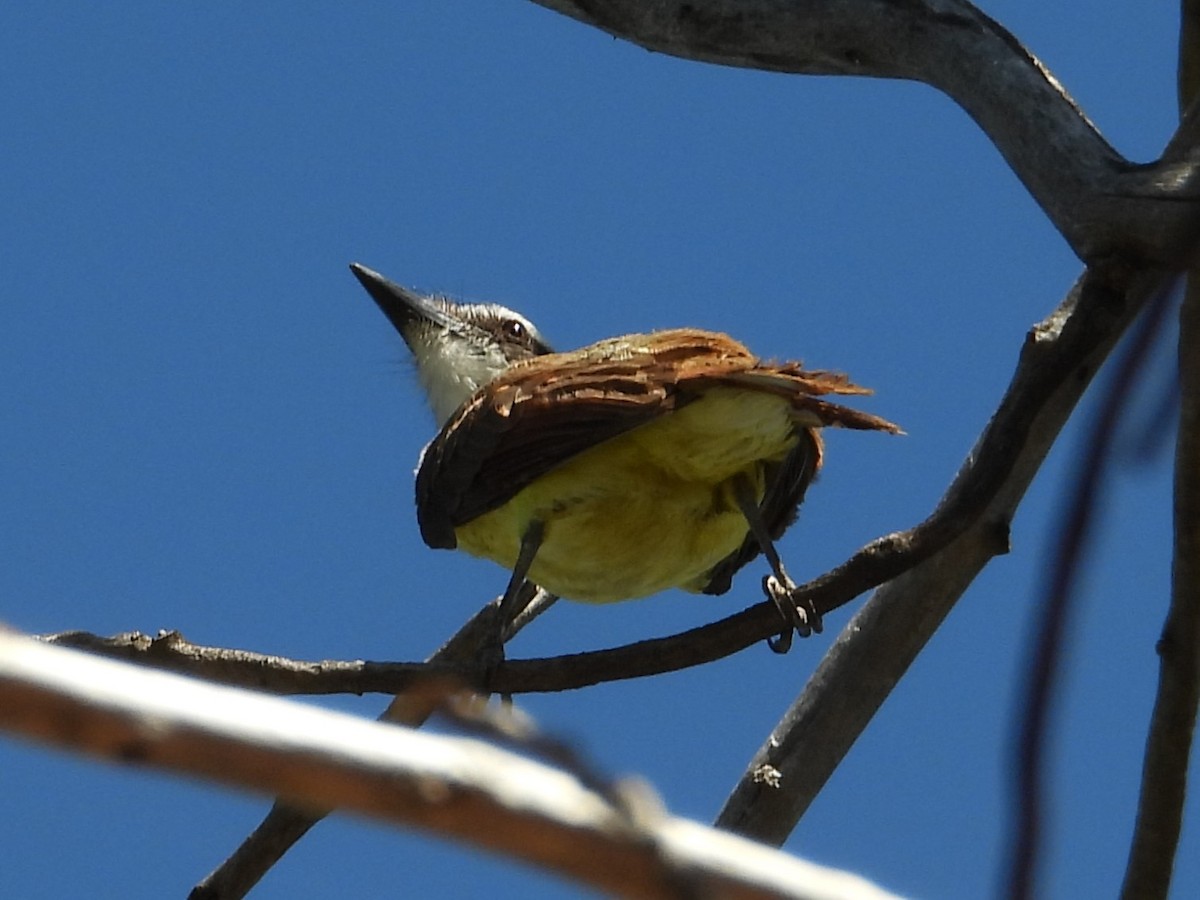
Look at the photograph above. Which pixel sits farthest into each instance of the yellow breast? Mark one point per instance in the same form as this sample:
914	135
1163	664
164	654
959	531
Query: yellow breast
646	511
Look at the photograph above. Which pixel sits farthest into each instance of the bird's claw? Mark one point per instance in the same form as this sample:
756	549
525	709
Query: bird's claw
799	614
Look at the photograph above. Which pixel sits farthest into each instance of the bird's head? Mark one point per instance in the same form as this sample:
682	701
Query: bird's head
458	347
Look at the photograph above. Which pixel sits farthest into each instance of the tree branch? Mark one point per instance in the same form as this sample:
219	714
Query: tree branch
1057	357
459	787
170	650
1102	204
877	646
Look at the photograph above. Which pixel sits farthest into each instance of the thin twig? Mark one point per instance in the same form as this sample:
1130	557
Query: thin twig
275	674
1172	727
1058	602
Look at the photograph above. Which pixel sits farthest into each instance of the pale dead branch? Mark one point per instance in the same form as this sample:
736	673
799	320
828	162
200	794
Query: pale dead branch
459	787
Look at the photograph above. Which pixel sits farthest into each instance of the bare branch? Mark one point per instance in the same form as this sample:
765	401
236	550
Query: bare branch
1168	747
875	649
1101	203
459	787
260	671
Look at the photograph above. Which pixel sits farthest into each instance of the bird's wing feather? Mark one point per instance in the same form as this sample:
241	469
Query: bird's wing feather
546	410
485	454
803	388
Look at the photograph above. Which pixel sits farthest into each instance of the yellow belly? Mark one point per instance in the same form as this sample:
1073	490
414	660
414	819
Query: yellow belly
646	511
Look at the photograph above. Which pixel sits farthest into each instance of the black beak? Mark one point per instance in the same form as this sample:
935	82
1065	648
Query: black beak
404	308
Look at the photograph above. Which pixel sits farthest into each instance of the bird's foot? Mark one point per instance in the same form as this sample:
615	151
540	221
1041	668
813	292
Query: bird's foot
799	614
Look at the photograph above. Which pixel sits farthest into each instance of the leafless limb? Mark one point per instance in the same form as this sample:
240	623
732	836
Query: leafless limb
874	650
880	642
462	788
259	671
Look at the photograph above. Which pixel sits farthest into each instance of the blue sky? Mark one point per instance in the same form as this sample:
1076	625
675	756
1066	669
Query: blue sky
207	425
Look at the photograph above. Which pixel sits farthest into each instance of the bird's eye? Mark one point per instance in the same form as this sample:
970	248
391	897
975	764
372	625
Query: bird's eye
515	329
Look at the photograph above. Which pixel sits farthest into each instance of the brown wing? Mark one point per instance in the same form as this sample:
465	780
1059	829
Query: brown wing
803	387
546	410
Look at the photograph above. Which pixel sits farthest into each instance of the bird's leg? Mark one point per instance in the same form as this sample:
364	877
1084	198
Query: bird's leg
778	586
517	595
515	600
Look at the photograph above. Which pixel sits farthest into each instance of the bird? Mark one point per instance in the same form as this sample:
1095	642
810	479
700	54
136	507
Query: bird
669	459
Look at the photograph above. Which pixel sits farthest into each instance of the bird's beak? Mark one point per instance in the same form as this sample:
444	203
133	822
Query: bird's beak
405	309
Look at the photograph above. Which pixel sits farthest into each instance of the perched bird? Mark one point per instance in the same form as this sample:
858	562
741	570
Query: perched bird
618	470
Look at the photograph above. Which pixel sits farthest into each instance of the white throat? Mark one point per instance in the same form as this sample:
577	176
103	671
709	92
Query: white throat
451	370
